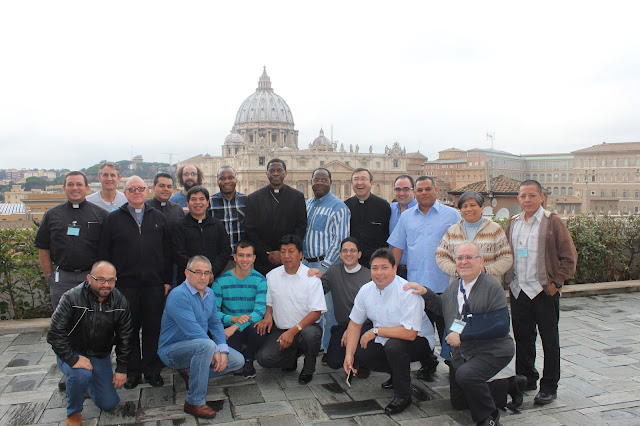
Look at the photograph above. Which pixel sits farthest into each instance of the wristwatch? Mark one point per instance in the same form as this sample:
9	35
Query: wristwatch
375	330
299	327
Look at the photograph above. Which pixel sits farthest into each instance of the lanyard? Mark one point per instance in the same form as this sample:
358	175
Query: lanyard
465	307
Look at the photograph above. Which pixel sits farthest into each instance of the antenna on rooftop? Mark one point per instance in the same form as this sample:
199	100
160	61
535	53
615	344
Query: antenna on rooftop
490	137
170	154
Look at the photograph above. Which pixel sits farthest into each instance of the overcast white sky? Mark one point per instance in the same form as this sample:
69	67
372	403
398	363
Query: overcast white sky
85	81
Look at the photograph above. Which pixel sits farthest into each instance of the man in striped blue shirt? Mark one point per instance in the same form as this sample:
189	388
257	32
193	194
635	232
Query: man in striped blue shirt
228	205
328	221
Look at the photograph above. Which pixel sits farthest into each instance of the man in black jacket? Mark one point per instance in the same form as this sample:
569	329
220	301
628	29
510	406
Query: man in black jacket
274	211
197	233
88	321
137	240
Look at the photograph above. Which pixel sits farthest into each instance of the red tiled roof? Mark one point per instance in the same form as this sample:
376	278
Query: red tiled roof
610	147
498	184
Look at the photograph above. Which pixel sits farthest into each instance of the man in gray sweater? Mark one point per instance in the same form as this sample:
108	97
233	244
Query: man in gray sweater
476	320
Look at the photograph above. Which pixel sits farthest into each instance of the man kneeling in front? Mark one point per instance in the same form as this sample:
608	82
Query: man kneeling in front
189	313
89	320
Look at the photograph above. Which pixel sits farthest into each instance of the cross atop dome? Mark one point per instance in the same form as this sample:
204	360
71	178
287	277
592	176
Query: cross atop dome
265	82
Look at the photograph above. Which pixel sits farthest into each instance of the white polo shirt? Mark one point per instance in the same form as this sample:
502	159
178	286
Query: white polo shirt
292	297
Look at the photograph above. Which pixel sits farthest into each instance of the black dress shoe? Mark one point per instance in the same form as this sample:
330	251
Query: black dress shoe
305	378
388	384
155	380
425	374
397	405
544	398
132	382
517	385
492	420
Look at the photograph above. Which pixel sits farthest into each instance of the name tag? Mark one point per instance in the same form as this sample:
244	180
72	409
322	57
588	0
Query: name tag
457	326
73	230
522	252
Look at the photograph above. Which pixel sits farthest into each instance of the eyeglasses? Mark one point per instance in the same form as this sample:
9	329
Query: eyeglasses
468	257
201	273
347	251
405	189
101	280
190	174
360	179
319	180
137	189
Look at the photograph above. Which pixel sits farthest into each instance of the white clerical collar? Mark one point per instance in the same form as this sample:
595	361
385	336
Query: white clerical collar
137	210
164	203
75	206
354	270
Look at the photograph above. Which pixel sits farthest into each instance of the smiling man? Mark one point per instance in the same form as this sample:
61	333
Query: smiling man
136	239
162	191
108	198
188	177
403	188
370	215
401	330
274	211
229	206
295	302
184	344
198	233
89	320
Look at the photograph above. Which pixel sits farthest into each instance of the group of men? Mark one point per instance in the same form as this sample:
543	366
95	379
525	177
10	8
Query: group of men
270	278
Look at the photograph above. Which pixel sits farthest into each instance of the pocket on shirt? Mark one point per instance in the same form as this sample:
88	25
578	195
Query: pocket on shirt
93	231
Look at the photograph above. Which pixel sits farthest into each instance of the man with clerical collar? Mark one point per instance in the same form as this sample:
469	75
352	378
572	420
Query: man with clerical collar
108	198
401	333
274	211
188	177
184	345
476	318
162	191
295	302
199	233
136	239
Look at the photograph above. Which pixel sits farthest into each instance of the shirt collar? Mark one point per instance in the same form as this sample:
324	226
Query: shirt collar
413	203
468	287
301	272
354	270
194	290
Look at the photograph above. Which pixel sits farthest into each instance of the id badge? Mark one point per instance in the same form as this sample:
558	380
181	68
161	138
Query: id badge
523	252
457	326
73	230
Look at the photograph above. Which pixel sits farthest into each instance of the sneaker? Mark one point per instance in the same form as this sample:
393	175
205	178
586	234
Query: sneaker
248	372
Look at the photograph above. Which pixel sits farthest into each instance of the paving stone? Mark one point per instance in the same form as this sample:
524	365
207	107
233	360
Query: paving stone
410	413
10	398
243	395
23	383
375	420
530	419
615	398
435	407
265	409
582	387
22	359
127	395
57	415
58	399
336	422
23	414
351	409
156	397
309	410
442	420
269	387
27	338
286	420
123	413
329	393
301	392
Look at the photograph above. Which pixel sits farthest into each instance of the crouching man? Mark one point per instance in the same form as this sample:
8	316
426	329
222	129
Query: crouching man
189	313
89	320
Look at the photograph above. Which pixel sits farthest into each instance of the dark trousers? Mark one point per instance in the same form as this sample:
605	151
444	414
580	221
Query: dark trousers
438	323
336	352
250	337
146	305
544	312
306	342
66	281
402	271
395	358
468	385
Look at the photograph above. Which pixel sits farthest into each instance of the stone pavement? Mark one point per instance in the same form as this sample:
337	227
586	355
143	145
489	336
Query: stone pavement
600	338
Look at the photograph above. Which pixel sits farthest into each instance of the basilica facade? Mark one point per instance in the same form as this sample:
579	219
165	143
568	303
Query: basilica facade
264	129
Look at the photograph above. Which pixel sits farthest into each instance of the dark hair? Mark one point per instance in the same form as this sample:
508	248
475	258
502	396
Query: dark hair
321	168
531	182
383	253
291	239
353	240
277	160
162	175
225	168
111	164
413	183
76	173
362	169
421	178
197	189
244	244
467	195
181	169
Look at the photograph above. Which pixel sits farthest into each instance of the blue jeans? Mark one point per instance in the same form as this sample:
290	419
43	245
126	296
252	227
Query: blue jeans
98	383
195	356
328	319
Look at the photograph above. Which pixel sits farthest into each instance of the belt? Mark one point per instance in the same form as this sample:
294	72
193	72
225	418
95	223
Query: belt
314	259
73	270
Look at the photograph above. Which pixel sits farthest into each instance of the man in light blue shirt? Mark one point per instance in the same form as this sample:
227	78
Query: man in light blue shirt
405	199
418	233
328	221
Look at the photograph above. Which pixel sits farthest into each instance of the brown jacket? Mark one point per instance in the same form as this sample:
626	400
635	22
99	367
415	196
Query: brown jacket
556	248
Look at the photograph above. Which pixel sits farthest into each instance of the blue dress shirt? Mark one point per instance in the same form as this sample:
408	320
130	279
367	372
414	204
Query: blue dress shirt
393	221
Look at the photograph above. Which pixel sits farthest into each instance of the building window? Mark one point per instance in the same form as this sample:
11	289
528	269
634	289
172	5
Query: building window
548	177
333	188
556	191
602	194
322	162
624	194
250	137
614	162
593	178
603	162
637	194
395	164
377	164
346	162
563	191
613	194
625	162
274	137
571	190
637	209
570	177
260	161
301	188
563	177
